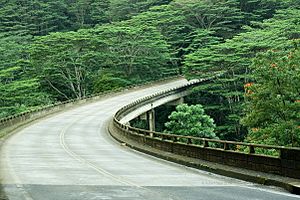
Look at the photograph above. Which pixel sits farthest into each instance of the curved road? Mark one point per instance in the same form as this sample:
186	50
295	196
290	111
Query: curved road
70	156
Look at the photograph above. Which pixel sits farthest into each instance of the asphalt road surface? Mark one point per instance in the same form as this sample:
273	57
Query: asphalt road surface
70	156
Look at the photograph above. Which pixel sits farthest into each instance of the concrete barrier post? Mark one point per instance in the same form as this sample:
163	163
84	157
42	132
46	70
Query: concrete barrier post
251	150
151	118
226	146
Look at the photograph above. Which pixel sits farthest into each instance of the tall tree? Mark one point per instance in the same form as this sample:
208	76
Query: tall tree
20	89
191	121
88	13
223	17
139	52
65	63
68	63
273	99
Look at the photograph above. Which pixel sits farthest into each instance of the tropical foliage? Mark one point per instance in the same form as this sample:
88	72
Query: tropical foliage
273	100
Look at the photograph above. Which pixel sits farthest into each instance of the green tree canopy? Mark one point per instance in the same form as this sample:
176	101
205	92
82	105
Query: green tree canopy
137	52
192	121
68	63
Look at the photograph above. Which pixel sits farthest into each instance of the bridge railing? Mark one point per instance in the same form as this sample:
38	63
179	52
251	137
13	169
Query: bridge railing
225	145
284	161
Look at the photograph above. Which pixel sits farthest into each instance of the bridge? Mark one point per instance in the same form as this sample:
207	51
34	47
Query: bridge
66	152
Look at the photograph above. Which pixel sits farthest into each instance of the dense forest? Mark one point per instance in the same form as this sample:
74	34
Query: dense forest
54	50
